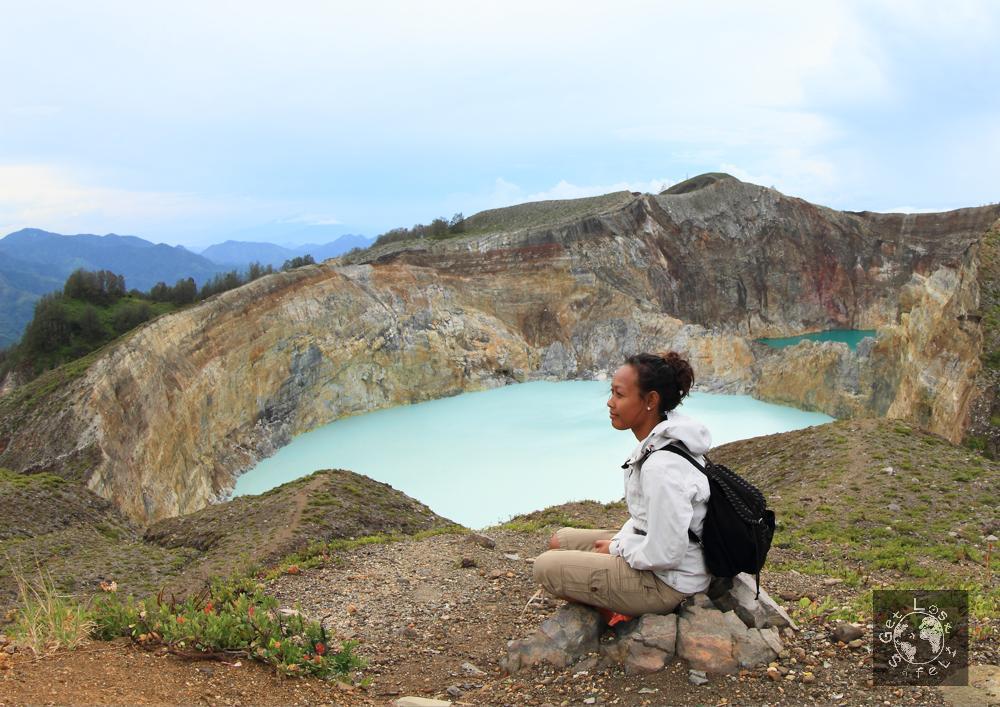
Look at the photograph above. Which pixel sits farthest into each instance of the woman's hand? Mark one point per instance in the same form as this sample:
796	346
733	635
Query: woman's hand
602	546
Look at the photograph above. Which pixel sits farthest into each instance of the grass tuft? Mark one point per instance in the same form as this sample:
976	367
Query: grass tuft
47	621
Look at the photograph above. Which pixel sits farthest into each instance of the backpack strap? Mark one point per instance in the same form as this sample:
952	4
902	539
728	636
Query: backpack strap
668	448
639	462
692	536
677	450
699	467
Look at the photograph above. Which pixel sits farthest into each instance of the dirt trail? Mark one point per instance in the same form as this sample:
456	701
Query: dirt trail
286	533
272	544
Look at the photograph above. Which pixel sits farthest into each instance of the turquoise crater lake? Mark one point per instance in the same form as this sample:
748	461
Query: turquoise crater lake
480	458
851	337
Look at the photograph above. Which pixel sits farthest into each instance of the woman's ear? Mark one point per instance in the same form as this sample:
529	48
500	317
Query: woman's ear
653	400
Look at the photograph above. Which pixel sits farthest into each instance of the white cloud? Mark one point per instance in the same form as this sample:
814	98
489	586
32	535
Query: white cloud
966	20
69	201
790	171
33	111
355	99
736	126
44	196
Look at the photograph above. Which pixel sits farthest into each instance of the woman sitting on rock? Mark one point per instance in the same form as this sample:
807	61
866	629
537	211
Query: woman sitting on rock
651	564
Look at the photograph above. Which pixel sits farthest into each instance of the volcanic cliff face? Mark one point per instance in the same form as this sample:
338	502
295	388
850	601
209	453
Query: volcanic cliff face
162	421
730	256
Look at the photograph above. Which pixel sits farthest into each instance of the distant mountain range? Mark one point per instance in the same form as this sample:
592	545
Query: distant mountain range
141	262
34	262
242	253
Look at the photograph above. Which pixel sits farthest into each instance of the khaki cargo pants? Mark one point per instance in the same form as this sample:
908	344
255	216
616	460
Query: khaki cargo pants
577	573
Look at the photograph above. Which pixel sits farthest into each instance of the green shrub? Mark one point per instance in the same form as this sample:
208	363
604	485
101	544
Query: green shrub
131	315
234	618
113	616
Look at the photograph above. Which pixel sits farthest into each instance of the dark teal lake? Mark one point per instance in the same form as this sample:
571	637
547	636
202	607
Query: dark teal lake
851	337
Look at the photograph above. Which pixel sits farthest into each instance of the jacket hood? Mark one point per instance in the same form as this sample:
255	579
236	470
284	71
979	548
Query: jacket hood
681	428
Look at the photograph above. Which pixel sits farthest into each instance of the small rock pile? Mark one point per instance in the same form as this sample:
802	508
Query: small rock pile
717	635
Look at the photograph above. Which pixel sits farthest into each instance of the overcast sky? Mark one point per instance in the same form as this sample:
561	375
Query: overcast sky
189	122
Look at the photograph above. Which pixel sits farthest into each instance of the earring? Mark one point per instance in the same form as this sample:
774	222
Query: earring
649	408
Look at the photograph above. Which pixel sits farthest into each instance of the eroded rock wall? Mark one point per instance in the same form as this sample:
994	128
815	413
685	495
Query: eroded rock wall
175	410
924	367
163	420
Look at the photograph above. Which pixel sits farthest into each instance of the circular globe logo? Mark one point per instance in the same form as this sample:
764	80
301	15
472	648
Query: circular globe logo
919	637
923	637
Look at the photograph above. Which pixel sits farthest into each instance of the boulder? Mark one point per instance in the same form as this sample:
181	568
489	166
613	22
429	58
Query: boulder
760	612
771	637
705	640
562	639
647	646
750	647
710	640
640	658
659	632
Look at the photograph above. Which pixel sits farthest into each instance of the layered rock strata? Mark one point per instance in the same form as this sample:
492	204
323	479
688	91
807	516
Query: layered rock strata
731	262
164	419
168	416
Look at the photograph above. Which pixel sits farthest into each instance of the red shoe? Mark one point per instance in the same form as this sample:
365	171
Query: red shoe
613	617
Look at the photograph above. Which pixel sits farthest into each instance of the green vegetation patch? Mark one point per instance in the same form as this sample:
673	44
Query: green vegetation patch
59	526
326	505
580	514
33	505
65	328
299	519
534	215
231	619
80	557
36	396
893	501
540	214
94	309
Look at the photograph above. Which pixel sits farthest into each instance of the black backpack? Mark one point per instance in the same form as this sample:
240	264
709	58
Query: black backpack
738	525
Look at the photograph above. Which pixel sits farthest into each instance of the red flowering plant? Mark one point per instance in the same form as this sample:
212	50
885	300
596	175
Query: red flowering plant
228	620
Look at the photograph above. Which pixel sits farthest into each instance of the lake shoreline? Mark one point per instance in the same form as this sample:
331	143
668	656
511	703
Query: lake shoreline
455	454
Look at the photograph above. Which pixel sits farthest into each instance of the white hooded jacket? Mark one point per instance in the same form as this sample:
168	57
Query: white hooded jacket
666	497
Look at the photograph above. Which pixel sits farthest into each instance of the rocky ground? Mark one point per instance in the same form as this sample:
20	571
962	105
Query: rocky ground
861	505
433	618
427	621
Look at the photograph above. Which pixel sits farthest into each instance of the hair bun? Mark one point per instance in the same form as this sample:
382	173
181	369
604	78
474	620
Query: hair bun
667	373
683	373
